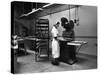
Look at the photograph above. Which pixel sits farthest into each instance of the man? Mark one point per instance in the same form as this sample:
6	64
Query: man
68	52
55	44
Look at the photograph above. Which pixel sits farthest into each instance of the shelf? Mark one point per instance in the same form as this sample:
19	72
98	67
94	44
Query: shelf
42	32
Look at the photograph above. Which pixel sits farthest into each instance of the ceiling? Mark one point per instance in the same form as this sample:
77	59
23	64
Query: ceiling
25	7
21	7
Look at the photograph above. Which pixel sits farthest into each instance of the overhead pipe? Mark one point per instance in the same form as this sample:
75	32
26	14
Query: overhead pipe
47	5
35	10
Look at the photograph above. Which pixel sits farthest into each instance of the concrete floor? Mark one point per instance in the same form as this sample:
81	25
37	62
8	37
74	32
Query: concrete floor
27	64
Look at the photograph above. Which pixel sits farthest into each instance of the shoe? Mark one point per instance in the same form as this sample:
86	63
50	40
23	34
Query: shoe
55	62
70	62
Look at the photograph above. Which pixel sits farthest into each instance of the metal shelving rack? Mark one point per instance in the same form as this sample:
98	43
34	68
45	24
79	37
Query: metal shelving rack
42	33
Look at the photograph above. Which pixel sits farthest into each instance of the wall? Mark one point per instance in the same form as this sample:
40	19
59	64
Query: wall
30	25
87	29
87	16
21	24
88	21
90	48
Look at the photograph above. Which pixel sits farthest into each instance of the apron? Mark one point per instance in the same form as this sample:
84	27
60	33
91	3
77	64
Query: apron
55	44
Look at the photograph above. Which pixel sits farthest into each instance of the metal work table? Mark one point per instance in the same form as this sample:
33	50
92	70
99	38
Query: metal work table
69	48
78	44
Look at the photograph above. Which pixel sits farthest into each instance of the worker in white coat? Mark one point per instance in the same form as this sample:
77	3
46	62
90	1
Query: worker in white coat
55	44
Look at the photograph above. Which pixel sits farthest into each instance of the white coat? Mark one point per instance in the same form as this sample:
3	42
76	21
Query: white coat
55	44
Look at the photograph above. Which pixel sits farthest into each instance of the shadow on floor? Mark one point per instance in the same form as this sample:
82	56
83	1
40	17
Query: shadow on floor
27	64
